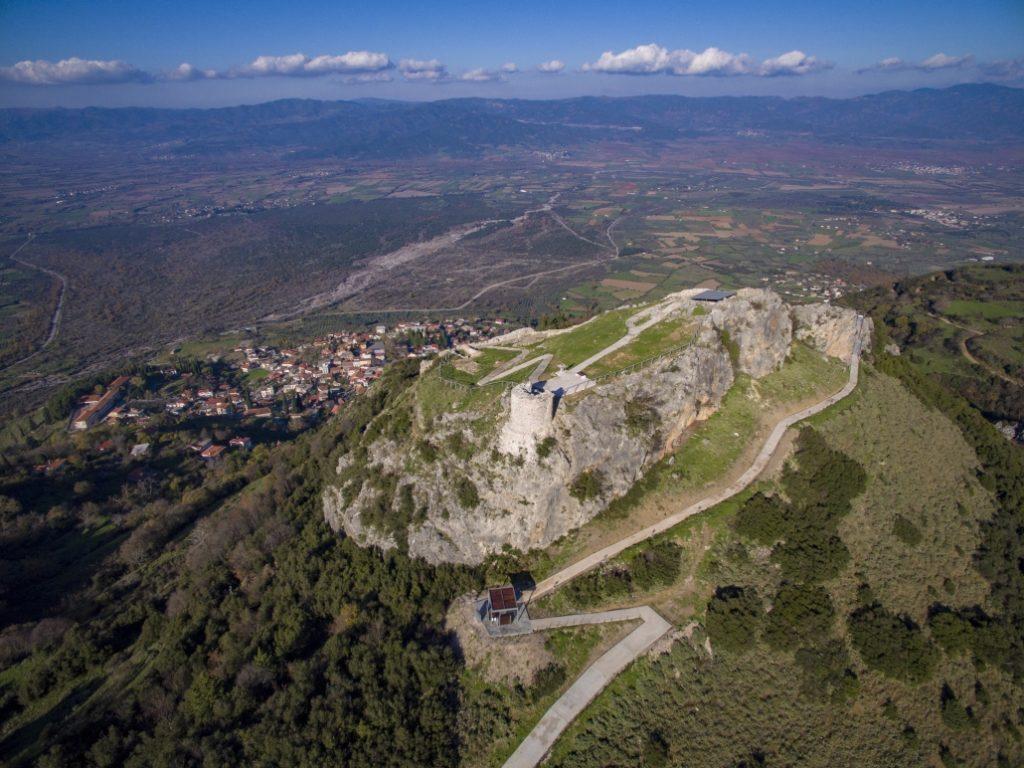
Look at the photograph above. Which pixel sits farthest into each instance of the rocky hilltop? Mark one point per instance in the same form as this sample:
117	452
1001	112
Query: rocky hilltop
458	474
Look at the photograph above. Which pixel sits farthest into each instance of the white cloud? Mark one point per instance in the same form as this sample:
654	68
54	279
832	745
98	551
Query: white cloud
793	63
942	61
300	65
652	59
481	76
934	63
552	67
73	71
416	69
712	61
186	72
643	60
510	67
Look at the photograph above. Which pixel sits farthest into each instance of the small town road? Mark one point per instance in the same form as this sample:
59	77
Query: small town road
57	311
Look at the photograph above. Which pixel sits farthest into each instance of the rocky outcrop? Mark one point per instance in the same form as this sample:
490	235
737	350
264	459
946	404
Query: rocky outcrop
525	468
830	329
609	434
758	324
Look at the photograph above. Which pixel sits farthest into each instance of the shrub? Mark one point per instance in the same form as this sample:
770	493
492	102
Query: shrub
800	615
819	485
733	617
762	518
731	347
657	565
954	714
826	672
466	493
546	446
641	416
952	631
894	645
457	443
588	485
906	531
427	451
547	680
655	751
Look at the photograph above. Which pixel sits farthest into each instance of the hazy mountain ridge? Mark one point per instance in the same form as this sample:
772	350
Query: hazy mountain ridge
376	129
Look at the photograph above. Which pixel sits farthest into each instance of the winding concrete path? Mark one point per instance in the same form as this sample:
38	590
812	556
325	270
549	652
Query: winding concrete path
760	462
588	685
594	680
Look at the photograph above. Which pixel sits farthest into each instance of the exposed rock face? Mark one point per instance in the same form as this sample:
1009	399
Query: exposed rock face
510	473
830	329
758	322
524	499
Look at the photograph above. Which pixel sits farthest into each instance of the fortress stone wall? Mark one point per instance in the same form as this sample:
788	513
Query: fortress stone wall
529	421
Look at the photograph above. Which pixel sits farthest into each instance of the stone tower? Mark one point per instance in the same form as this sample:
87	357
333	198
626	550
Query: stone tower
529	420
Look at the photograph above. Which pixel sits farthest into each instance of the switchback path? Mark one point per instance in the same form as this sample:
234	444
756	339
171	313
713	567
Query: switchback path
594	680
55	317
588	685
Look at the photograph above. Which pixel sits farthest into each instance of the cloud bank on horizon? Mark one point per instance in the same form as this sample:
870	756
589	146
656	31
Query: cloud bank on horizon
371	66
653	59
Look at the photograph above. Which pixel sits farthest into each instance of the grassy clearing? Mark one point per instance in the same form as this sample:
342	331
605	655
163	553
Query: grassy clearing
577	345
986	310
897	440
717	443
256	375
653	341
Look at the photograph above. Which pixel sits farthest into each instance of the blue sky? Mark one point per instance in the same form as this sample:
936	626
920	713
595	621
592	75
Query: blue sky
102	52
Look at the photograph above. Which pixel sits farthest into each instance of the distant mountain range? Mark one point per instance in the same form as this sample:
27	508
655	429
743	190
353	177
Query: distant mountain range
368	128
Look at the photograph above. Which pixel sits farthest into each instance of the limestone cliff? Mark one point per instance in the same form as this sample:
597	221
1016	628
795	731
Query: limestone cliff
831	329
459	474
528	499
758	323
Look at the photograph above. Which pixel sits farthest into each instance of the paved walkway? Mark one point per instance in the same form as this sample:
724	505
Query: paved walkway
594	680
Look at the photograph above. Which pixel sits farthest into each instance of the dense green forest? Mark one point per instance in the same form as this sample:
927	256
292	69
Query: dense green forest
245	633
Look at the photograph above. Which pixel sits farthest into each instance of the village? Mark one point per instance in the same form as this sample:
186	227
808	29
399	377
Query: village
260	389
